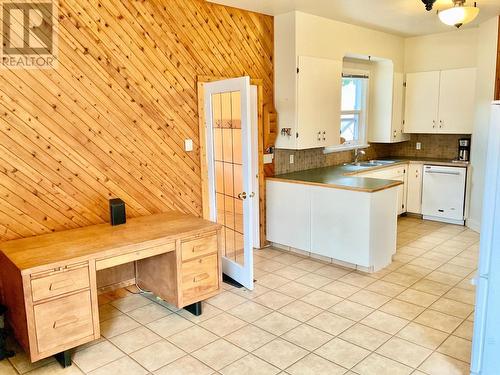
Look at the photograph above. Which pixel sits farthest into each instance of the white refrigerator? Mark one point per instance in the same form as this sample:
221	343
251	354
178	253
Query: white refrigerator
486	340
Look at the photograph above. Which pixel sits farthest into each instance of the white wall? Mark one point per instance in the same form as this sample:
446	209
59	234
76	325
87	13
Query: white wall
452	50
322	37
485	88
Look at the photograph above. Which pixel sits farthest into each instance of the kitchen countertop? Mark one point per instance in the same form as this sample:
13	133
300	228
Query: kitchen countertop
344	176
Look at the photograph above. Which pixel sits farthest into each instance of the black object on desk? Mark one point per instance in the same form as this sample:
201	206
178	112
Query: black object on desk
117	211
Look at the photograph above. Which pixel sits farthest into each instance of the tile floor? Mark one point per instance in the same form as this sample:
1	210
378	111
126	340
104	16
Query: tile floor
304	317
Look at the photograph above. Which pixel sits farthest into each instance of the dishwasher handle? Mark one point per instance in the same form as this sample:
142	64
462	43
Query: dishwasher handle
443	172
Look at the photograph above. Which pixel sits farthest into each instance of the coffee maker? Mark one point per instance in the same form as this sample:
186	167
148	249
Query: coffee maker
464	149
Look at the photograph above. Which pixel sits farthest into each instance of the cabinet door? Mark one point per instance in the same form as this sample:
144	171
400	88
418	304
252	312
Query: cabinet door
422	102
414	191
457	101
288	213
318	102
397	132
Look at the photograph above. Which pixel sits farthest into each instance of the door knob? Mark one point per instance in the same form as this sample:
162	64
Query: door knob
242	195
252	194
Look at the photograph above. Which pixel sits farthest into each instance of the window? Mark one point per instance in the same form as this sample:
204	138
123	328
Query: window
353	117
354	105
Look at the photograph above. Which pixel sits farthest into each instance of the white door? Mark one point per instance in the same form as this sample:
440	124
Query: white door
230	174
457	101
422	102
319	90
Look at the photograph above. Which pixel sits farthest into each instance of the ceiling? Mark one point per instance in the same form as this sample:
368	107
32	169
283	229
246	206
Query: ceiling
401	17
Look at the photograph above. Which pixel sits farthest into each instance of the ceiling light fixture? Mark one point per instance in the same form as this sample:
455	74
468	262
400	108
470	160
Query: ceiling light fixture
459	14
428	4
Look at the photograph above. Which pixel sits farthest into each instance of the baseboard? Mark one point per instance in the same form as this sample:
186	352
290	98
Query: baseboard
111	287
474	225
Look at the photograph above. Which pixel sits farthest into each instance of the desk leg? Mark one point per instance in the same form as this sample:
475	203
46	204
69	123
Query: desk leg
64	358
194	309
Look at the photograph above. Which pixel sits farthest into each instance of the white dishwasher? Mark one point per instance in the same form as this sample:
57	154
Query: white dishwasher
443	194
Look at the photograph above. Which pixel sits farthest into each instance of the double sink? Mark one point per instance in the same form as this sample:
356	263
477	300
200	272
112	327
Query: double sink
371	163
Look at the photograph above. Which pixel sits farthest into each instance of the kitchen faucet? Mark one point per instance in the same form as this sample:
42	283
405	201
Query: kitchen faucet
357	153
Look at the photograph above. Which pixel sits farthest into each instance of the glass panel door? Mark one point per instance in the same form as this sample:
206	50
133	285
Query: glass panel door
229	160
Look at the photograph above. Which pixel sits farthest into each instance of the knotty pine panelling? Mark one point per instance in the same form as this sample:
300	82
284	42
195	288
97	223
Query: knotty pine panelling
111	120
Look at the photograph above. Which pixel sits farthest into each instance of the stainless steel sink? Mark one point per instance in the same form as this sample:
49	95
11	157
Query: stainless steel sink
373	163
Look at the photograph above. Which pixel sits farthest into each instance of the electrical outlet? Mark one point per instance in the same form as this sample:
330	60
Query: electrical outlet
418	146
292	159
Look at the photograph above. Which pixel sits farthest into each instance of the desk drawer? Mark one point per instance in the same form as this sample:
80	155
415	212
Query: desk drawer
199	247
61	282
63	321
134	255
199	276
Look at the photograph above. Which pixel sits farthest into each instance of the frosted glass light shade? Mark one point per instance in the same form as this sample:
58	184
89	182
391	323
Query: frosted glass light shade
458	16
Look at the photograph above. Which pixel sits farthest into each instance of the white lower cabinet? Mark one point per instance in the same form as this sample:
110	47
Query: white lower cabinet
414	189
288	214
353	227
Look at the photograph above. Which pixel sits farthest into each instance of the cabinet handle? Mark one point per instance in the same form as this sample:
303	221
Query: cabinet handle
441	123
243	195
201	277
433	123
65	322
61	284
198	248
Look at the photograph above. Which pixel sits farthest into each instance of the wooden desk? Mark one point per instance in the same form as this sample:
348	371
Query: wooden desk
49	282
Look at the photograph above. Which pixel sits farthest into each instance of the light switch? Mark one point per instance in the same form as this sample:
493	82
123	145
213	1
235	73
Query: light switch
292	159
188	145
419	146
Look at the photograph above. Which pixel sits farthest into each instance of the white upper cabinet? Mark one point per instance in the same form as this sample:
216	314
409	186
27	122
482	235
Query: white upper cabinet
385	124
457	101
440	101
307	92
319	86
422	102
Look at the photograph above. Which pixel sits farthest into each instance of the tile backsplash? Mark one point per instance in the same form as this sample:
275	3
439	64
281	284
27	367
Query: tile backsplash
439	146
315	158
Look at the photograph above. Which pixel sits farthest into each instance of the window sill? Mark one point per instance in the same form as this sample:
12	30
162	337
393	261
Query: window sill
332	149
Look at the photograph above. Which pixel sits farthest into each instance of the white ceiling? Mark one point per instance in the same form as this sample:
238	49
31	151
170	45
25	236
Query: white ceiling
402	17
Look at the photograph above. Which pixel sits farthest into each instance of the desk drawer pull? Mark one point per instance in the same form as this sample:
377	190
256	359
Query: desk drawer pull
65	322
201	277
61	284
198	248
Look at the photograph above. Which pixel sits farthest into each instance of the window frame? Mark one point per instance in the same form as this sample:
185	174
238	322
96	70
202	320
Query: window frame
362	141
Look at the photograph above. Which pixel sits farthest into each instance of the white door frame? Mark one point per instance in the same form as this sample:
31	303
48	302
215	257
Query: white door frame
241	274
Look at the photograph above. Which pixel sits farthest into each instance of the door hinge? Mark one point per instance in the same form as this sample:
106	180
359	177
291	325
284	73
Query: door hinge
404	84
298	70
297	135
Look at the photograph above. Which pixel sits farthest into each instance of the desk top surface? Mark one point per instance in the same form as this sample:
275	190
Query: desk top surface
100	240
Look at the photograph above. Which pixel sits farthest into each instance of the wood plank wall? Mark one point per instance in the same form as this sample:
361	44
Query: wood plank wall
111	120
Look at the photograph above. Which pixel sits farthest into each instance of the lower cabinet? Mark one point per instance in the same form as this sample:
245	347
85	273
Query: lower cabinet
288	211
355	228
414	190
